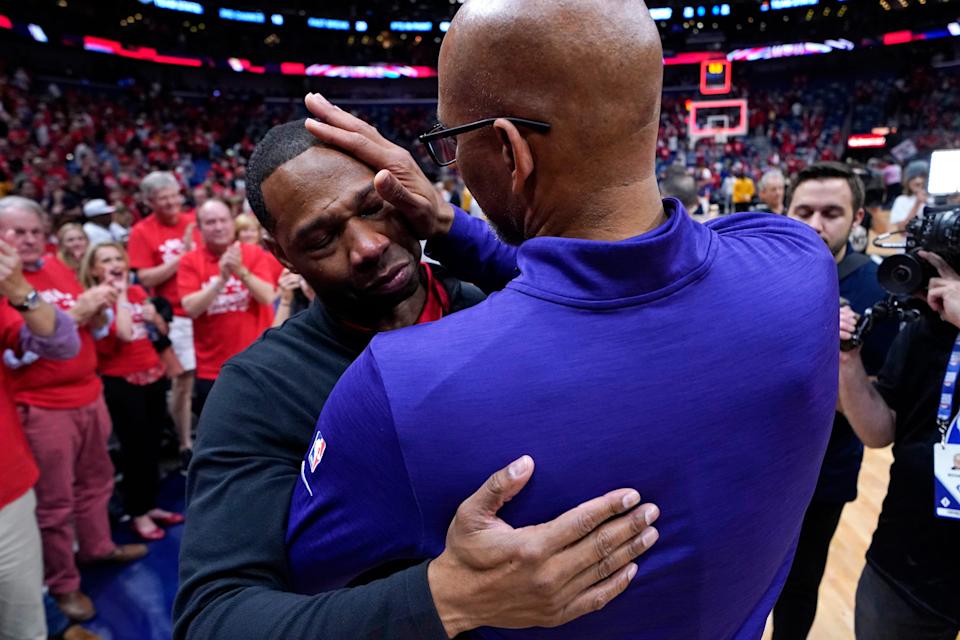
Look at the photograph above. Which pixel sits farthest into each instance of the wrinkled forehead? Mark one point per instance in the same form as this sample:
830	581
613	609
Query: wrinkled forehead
165	192
216	213
18	218
319	179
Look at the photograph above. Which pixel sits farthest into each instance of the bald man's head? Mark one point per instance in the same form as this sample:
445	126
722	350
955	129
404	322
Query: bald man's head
592	69
216	225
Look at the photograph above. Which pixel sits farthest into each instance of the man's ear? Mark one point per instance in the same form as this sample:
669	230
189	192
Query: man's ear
858	216
516	154
277	252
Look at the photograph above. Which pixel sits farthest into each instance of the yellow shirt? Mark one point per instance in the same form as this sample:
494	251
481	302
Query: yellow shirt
743	190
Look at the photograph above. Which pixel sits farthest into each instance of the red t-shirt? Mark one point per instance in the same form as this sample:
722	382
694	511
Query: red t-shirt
153	243
120	358
68	384
18	472
234	319
274	266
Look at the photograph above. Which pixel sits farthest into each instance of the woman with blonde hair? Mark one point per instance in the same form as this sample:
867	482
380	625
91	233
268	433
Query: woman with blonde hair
249	231
73	243
133	386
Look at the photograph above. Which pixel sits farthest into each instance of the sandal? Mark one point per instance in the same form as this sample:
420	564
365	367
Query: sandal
167	519
150	535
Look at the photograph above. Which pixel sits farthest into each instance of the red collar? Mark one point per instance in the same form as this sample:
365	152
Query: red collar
436	306
438	300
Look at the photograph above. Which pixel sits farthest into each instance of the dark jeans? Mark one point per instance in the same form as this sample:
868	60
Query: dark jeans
201	390
797	606
139	415
883	614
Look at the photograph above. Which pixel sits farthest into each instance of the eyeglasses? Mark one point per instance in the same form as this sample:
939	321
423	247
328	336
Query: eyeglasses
442	142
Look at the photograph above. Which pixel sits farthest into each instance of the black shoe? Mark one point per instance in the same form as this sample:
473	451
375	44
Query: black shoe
185	456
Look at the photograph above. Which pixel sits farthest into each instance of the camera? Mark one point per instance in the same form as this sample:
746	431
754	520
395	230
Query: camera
892	308
936	230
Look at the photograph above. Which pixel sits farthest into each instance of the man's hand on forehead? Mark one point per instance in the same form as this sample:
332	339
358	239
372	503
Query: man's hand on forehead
399	179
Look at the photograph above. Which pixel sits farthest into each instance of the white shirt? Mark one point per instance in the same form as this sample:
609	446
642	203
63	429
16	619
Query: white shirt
901	208
98	234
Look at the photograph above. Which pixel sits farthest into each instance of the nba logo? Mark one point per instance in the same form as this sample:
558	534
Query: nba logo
316	451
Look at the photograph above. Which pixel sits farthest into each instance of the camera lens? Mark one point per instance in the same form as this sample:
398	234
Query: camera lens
902	274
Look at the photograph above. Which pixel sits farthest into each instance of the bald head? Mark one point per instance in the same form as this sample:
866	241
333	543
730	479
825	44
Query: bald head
21	222
592	65
216	225
592	69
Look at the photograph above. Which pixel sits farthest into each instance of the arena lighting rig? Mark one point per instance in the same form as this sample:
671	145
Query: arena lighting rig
244	65
658	13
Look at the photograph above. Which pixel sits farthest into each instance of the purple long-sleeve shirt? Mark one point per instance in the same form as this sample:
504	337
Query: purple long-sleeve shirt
62	344
696	363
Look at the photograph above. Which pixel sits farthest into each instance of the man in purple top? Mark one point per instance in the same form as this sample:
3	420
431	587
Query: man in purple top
588	359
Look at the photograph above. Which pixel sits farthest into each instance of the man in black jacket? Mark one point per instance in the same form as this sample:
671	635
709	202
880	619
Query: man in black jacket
332	226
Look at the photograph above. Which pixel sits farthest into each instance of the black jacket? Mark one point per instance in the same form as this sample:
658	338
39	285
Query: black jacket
256	427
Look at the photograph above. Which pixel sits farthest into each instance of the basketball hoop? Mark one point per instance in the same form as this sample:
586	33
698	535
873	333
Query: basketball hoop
721	124
718	120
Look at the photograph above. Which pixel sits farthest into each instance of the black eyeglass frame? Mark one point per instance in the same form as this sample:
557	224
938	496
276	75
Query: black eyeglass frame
439	133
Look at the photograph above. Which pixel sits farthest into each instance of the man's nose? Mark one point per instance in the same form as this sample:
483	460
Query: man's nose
366	243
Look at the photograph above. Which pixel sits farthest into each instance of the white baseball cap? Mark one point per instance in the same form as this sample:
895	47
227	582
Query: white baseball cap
97	207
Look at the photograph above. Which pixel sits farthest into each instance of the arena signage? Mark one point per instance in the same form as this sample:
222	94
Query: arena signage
177	5
411	26
789	50
378	72
256	17
327	23
866	141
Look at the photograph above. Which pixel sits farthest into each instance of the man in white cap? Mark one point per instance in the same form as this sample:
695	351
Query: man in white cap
100	226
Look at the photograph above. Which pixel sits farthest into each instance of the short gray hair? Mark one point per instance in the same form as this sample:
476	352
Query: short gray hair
157	180
683	188
24	204
770	175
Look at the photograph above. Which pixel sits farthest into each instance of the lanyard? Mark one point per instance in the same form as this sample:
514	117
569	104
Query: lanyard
946	391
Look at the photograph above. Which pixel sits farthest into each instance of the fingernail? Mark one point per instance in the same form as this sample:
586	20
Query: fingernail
631	500
651	514
648	537
631	571
519	467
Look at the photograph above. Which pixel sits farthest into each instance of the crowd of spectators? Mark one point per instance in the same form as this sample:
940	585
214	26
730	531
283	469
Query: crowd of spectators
66	144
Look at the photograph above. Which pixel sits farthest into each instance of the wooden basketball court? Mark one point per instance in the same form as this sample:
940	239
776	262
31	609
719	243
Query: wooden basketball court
835	609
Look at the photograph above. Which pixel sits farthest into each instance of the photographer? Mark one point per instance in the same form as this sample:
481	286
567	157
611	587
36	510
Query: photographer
829	198
910	585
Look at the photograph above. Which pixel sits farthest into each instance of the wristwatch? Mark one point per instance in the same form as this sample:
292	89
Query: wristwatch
30	303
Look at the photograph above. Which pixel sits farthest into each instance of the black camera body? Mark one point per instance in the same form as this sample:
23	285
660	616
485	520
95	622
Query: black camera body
936	230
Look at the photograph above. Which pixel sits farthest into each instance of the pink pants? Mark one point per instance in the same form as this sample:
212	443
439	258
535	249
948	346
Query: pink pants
76	482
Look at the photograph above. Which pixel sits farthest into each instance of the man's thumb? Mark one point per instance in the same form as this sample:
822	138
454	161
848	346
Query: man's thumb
499	488
6	242
393	191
